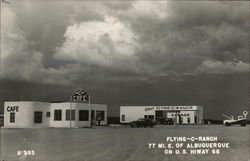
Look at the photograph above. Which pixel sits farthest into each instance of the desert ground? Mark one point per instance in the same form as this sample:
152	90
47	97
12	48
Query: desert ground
118	143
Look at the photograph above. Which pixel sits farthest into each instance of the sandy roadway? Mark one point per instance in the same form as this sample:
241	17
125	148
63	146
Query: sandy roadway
119	144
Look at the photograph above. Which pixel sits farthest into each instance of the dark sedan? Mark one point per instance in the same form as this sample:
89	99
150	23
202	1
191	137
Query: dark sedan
167	121
142	122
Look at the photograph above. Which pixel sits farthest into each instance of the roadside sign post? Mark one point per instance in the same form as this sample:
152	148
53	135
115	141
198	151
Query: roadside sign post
70	111
81	96
90	119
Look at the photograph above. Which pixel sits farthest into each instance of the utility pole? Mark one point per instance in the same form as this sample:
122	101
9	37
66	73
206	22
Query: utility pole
90	125
70	113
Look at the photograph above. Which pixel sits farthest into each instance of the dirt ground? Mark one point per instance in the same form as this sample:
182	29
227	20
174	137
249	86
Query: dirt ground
118	143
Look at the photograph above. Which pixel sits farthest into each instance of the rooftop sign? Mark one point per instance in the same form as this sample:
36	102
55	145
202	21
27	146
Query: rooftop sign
80	96
171	108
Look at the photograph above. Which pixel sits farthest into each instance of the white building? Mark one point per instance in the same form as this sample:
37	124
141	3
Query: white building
43	114
181	114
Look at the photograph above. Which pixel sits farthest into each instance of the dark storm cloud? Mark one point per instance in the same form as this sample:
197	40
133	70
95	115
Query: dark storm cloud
118	5
208	13
191	34
143	38
130	53
45	22
217	94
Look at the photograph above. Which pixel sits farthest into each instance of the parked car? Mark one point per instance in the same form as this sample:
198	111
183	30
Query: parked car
142	122
242	122
167	121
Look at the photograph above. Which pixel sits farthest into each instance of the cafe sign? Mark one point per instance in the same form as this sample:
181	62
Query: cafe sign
12	108
80	96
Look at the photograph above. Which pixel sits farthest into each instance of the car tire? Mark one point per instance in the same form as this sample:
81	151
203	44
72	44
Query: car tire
243	123
228	124
133	124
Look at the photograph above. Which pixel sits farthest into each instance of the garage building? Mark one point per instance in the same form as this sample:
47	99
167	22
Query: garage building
180	114
28	114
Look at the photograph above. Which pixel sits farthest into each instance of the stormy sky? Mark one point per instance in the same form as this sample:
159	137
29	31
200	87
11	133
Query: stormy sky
127	53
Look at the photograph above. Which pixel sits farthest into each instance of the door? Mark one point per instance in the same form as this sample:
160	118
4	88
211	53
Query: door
158	115
195	119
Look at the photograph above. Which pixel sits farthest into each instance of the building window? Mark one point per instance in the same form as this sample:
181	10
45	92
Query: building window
58	115
123	117
12	117
68	115
38	117
47	114
83	115
151	117
100	114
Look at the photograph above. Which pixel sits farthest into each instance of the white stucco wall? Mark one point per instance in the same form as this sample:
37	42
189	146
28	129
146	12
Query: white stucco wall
75	106
185	116
133	113
24	117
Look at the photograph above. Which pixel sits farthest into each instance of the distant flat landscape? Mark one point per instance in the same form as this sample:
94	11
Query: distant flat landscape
118	143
